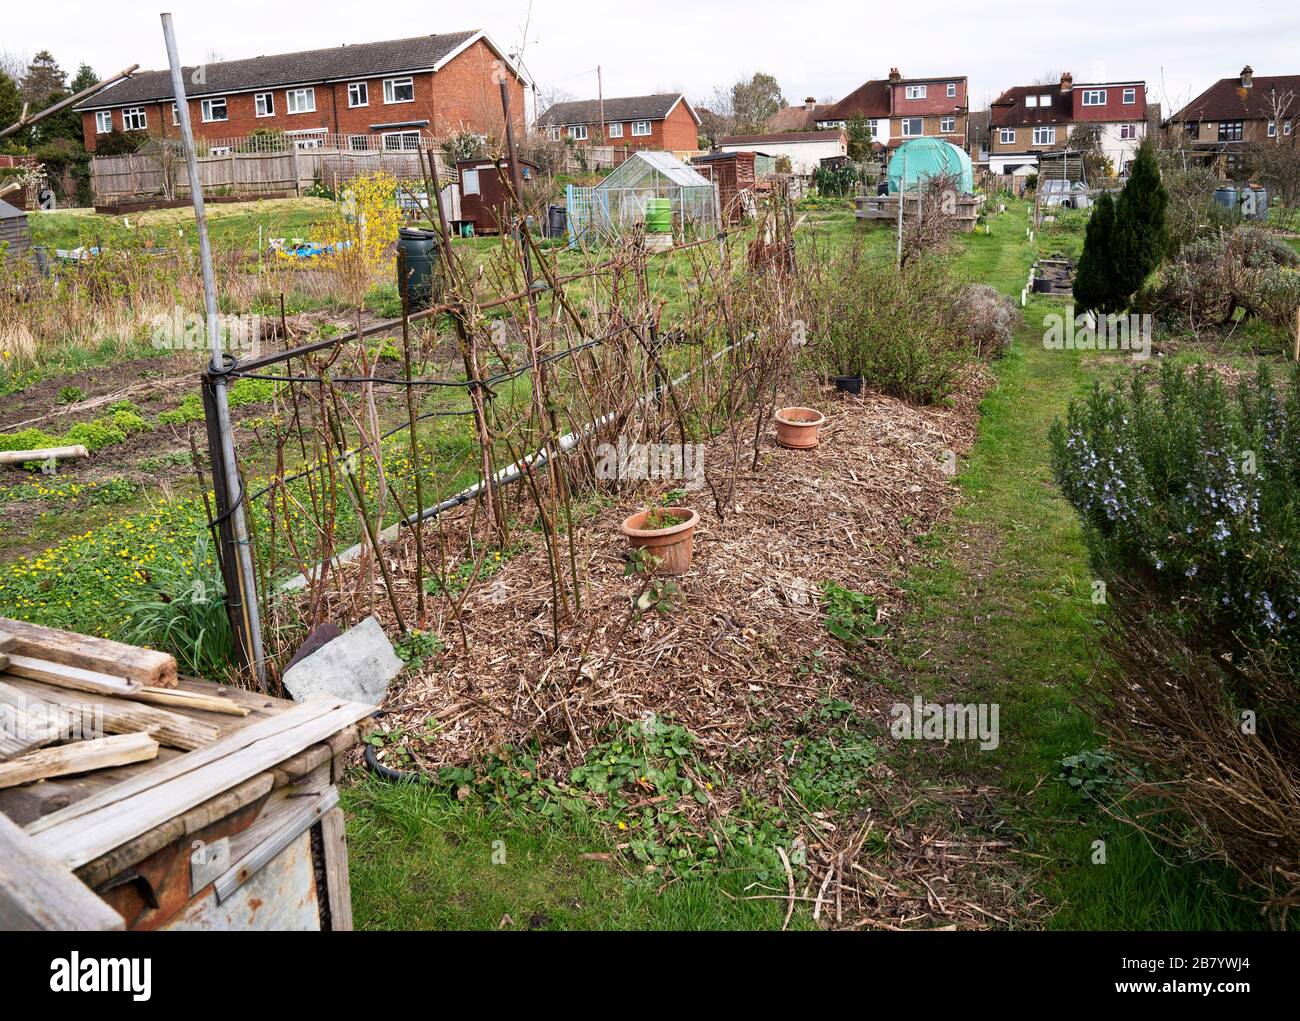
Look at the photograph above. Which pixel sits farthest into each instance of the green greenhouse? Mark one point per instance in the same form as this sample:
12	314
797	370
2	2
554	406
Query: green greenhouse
923	158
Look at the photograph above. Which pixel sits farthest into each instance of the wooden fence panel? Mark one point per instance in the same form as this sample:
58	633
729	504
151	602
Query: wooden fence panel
134	177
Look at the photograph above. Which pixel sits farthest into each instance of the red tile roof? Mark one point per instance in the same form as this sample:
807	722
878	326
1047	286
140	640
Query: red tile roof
798	118
869	100
1226	100
1010	109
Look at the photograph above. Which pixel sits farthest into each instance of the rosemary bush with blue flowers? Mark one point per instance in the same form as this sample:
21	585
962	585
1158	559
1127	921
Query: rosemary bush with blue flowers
1190	489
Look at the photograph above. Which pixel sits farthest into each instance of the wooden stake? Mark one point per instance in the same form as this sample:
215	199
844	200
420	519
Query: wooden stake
43	454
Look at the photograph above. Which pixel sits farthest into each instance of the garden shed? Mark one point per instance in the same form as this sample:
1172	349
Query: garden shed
483	193
619	202
923	158
734	174
15	236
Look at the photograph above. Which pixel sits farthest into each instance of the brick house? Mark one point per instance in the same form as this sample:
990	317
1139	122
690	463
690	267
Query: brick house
1237	111
664	122
366	95
899	109
1029	120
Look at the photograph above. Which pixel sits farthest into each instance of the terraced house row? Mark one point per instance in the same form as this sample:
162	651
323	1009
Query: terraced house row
382	95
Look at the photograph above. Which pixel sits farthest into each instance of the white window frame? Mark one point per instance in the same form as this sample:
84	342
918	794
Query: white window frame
469	184
914	91
1094	97
308	92
130	114
1045	134
1128	132
615	129
356	89
554	132
952	90
264	104
578	132
1031	102
354	139
208	107
640	129
1272	129
176	116
1130	96
1286	126
219	150
948	125
390	90
920	123
400	134
103	122
1006	136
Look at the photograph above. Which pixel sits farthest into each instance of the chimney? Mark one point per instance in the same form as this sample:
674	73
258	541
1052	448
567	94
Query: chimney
894	76
810	104
1247	76
1067	81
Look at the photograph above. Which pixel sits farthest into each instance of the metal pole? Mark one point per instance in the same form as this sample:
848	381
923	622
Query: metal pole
902	198
247	594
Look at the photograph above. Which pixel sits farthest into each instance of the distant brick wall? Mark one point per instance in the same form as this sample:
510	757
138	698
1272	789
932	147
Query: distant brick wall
936	99
930	127
1114	109
461	96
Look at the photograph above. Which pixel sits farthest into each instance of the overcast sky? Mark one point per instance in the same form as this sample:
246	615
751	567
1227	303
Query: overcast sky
822	48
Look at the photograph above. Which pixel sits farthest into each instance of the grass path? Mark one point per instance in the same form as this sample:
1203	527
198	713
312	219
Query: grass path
1004	614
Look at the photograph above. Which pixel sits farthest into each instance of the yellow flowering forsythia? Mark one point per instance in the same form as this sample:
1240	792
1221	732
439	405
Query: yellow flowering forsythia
362	232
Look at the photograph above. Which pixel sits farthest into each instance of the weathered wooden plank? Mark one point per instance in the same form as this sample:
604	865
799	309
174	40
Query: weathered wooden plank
95	873
117	658
122	716
75	677
78	757
338	887
38	894
27	723
267	837
228	745
84	839
188	700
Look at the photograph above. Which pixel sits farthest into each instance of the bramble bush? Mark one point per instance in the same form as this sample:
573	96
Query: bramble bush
1240	271
1193	492
908	333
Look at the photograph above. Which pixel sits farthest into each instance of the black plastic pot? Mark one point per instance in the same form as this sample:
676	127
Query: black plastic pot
848	384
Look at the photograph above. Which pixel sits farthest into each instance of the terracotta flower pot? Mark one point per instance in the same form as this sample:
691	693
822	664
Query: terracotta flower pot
797	427
672	545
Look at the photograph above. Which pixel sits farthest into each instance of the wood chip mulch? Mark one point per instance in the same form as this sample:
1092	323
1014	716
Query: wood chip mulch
726	661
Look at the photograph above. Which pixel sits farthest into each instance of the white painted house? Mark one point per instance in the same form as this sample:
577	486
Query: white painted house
806	149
